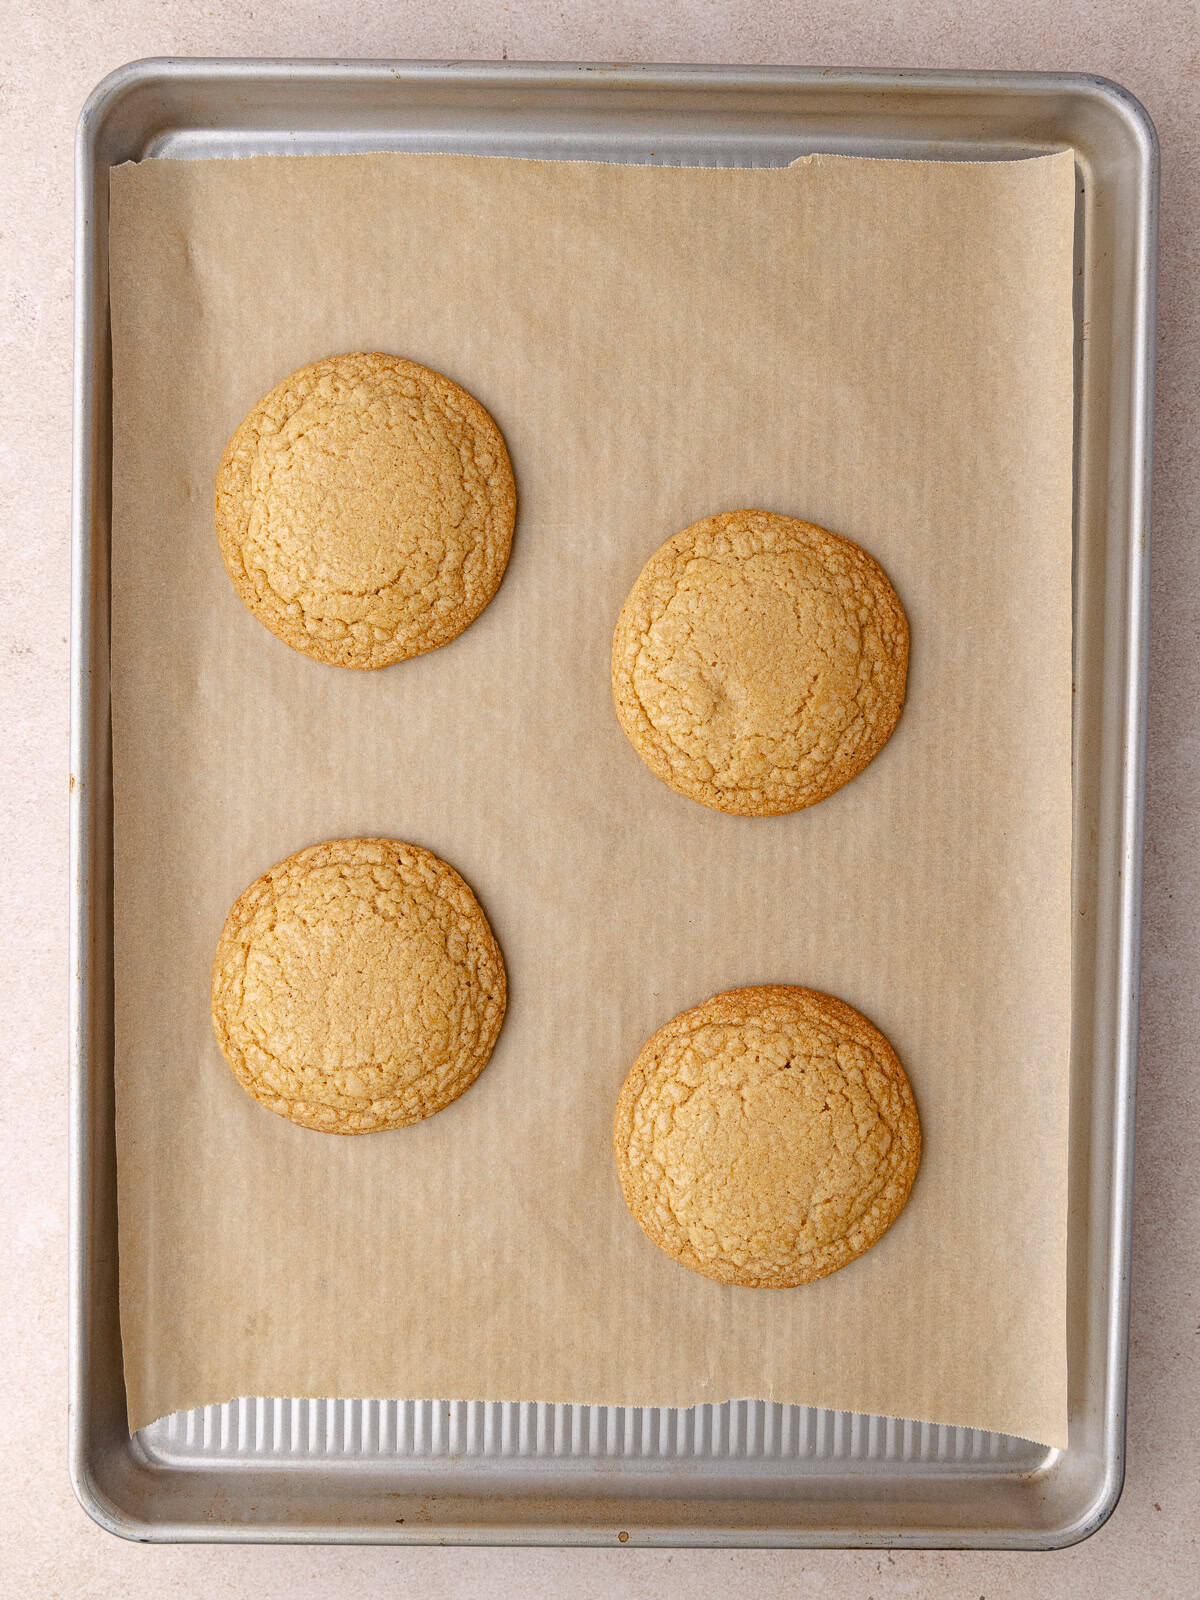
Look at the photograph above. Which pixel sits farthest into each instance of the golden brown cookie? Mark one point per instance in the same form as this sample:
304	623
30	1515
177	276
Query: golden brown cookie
365	510
357	986
759	662
767	1137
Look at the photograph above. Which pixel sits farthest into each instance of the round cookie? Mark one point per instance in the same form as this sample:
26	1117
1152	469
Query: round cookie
365	510
767	1137
759	662
357	986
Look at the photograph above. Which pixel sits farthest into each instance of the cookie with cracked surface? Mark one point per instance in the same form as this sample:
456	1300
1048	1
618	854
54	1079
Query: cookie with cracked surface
357	986
365	510
759	662
767	1137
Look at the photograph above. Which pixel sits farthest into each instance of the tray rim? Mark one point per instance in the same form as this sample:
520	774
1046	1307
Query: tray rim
1114	101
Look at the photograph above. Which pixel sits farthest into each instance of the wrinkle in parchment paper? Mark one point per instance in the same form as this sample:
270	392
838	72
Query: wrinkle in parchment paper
880	347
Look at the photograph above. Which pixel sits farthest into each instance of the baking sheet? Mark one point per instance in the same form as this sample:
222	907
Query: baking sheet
883	347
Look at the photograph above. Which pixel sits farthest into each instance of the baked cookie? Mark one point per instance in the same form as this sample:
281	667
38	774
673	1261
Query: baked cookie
767	1137
357	986
759	662
365	510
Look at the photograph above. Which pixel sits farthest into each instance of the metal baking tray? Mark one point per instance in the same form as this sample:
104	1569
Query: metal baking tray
745	1473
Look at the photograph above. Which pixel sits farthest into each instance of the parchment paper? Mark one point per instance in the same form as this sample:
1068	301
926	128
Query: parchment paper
880	347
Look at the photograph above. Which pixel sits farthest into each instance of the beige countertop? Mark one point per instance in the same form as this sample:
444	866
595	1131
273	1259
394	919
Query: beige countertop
52	56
